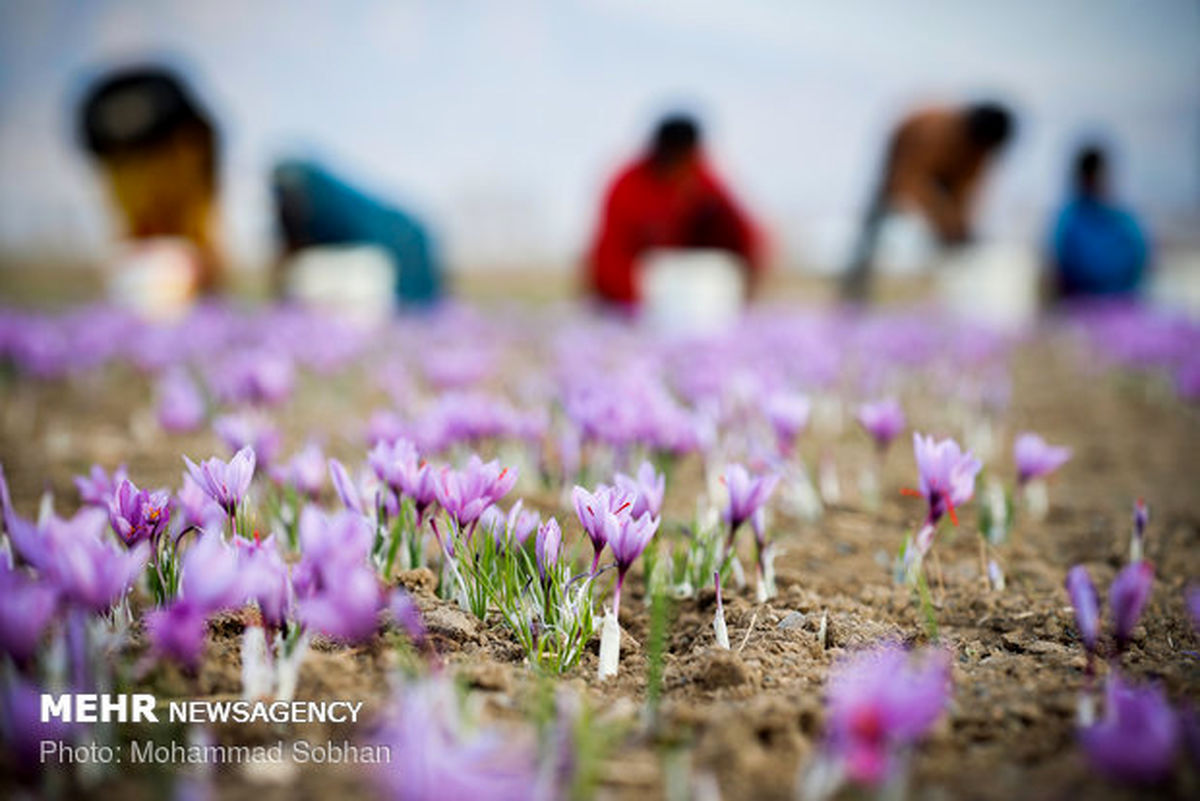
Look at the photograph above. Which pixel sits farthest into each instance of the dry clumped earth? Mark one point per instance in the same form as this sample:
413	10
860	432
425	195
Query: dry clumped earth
746	720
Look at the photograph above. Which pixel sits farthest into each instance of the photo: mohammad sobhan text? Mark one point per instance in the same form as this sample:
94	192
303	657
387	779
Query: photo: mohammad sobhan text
325	752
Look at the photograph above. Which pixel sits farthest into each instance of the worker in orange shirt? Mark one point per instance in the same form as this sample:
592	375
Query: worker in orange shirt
668	197
934	166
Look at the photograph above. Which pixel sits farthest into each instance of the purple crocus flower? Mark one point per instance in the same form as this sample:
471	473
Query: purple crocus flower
1138	737
27	609
1127	597
398	465
627	537
438	758
88	569
547	547
407	615
196	506
176	632
305	473
139	515
947	477
515	527
337	591
647	487
465	494
788	414
1035	459
590	508
879	702
883	420
264	578
97	488
1086	604
181	407
225	482
347	490
241	431
747	494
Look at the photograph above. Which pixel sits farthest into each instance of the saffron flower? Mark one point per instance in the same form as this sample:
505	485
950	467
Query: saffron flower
337	591
947	476
747	494
788	414
1035	459
465	494
195	506
627	537
305	473
97	488
547	546
225	482
515	527
883	420
647	487
1138	737
590	508
879	703
1086	604
1127	597
139	515
398	465
438	757
264	578
27	609
181	407
87	569
176	632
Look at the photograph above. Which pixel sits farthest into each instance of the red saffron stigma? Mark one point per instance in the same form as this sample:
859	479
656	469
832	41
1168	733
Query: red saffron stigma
909	491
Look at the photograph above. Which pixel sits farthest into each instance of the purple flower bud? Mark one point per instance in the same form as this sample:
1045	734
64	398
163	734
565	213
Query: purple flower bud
225	482
1086	603
465	494
1035	459
747	494
590	508
1138	737
547	547
788	415
883	420
305	473
1127	599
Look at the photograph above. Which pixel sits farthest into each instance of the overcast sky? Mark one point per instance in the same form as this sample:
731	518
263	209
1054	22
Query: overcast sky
500	121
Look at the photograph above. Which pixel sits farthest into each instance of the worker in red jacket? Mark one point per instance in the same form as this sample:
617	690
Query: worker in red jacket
668	198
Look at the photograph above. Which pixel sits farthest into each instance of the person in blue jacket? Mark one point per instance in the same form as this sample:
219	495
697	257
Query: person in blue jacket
1096	247
317	208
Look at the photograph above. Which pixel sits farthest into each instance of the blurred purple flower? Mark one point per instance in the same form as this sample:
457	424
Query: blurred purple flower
398	465
1127	597
465	494
337	591
881	701
97	488
347	490
436	757
74	556
139	515
883	420
747	494
547	547
1035	459
1138	737
305	473
647	487
264	578
590	508
788	415
197	506
27	608
518	525
241	431
407	615
181	406
947	476
1086	603
23	729
225	482
176	632
254	376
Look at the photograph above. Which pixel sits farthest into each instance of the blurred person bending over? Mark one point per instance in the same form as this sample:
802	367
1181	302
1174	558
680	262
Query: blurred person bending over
1096	247
934	165
158	149
317	208
668	197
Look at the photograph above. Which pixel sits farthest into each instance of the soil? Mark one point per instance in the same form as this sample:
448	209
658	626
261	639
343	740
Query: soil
749	718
